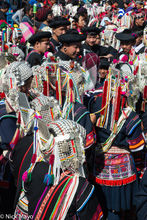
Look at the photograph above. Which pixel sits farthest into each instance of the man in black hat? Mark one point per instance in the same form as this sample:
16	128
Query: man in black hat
91	45
139	45
139	21
59	27
127	41
71	44
40	43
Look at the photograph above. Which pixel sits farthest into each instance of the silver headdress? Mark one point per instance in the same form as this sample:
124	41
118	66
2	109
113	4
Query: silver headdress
17	52
65	140
15	76
47	107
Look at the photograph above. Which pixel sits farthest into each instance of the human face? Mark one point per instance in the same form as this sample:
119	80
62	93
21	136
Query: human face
42	46
98	40
31	12
60	30
139	21
72	50
49	17
25	89
126	46
82	21
91	40
103	73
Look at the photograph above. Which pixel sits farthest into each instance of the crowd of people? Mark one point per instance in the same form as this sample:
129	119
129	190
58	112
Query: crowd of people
73	110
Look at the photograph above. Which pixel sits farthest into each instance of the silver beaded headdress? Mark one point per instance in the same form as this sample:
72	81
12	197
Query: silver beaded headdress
20	71
47	107
65	141
15	76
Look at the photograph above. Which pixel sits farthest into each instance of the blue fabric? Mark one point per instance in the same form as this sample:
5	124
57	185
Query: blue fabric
7	127
113	216
42	26
32	2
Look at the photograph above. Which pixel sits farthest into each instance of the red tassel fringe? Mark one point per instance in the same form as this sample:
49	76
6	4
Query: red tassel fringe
19	119
123	102
118	104
45	88
145	92
114	182
136	70
51	160
57	92
33	158
71	83
104	96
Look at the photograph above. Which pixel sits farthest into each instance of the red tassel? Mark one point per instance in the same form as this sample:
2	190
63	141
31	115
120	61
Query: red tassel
51	160
145	92
118	104
33	158
136	70
52	59
104	96
45	88
123	102
19	119
57	92
71	83
2	95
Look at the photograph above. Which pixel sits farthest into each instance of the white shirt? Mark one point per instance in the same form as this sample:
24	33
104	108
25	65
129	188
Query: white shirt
17	17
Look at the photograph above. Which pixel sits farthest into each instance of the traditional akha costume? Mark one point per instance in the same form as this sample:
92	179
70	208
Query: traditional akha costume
119	133
89	62
34	57
66	81
59	175
13	77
